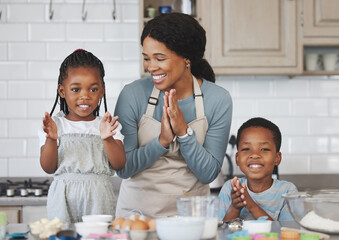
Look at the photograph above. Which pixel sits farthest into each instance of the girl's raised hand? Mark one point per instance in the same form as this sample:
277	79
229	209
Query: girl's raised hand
50	127
108	125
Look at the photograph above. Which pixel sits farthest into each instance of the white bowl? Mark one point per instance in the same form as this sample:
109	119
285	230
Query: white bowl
180	228
86	228
254	226
97	218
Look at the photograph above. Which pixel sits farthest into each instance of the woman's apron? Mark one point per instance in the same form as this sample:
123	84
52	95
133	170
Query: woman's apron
154	190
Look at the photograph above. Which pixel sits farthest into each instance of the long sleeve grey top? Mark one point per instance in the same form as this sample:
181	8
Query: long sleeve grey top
204	161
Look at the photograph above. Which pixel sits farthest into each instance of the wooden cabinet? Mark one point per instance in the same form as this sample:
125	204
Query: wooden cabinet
321	22
14	213
253	36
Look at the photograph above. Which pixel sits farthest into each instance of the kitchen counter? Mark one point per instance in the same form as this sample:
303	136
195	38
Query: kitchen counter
23	201
276	226
222	232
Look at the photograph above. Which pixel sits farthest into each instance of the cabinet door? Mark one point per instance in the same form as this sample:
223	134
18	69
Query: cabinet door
253	36
33	213
14	213
321	20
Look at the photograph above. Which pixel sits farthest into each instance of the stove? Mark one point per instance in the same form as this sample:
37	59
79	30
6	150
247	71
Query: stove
24	188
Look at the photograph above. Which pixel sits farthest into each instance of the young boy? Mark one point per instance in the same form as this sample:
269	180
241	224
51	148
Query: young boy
256	194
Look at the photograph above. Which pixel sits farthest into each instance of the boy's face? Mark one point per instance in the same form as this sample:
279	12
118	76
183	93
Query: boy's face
257	154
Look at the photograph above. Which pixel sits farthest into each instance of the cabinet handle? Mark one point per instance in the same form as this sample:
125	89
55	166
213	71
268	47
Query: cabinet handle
19	217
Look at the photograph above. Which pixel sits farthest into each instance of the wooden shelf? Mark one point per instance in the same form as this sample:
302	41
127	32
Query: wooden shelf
321	73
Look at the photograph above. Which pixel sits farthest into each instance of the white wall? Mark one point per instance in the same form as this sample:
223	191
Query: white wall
32	48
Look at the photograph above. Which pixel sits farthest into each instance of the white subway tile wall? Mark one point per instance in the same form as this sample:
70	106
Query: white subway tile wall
32	47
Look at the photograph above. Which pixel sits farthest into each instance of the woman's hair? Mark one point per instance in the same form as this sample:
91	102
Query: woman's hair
182	34
262	122
79	58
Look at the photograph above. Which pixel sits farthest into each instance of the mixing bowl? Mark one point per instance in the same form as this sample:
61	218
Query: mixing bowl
86	228
180	228
97	218
315	210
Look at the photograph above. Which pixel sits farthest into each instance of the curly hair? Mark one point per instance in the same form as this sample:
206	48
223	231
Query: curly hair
182	34
261	122
79	58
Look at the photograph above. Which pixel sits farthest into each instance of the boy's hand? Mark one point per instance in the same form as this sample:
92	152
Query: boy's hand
108	125
237	197
50	127
248	201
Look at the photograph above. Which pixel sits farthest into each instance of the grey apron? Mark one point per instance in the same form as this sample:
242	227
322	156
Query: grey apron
154	190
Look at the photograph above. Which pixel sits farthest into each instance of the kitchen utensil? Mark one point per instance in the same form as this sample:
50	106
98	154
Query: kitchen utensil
23	192
322	236
330	61
180	228
67	235
234	225
97	218
38	192
201	206
257	226
165	9
315	210
10	192
312	61
86	228
150	12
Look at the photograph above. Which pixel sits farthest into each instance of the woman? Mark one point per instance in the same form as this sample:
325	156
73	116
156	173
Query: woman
176	122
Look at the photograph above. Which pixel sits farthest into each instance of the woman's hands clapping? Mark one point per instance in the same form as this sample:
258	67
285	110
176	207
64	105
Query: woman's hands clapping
172	121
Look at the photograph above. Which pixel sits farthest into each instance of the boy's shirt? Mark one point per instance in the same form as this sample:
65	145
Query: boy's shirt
271	200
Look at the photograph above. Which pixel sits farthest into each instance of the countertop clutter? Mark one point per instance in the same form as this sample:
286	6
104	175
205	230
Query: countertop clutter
222	234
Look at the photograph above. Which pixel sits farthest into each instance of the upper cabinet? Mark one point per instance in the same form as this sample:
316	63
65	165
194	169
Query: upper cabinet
253	36
321	22
257	37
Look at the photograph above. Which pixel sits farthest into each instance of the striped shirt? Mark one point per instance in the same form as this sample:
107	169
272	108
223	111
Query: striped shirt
270	200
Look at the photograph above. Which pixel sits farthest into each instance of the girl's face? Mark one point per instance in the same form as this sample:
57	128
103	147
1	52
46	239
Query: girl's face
166	67
257	154
82	90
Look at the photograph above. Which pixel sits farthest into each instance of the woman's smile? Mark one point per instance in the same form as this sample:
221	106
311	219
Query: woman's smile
157	79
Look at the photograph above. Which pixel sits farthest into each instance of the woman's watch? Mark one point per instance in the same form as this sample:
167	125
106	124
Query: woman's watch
189	132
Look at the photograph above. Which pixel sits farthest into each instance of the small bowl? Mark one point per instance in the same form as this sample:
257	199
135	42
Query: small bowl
97	218
180	228
256	226
86	228
315	210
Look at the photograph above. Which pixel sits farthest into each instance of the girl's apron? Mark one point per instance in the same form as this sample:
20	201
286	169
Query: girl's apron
154	190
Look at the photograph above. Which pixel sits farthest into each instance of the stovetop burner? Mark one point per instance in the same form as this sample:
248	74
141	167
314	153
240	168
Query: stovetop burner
24	188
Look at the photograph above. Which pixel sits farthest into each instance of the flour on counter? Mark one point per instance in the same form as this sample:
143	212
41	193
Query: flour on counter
314	221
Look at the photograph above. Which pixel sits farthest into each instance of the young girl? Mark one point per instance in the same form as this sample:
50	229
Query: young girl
79	147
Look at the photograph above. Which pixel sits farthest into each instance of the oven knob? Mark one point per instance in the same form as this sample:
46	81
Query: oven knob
23	193
38	192
10	192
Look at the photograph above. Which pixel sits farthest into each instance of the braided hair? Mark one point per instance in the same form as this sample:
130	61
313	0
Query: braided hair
79	58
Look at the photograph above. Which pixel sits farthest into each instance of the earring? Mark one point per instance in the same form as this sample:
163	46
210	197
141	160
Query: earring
188	65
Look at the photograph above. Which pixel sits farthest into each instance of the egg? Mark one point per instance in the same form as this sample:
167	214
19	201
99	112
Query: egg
139	225
118	222
152	224
144	218
126	225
